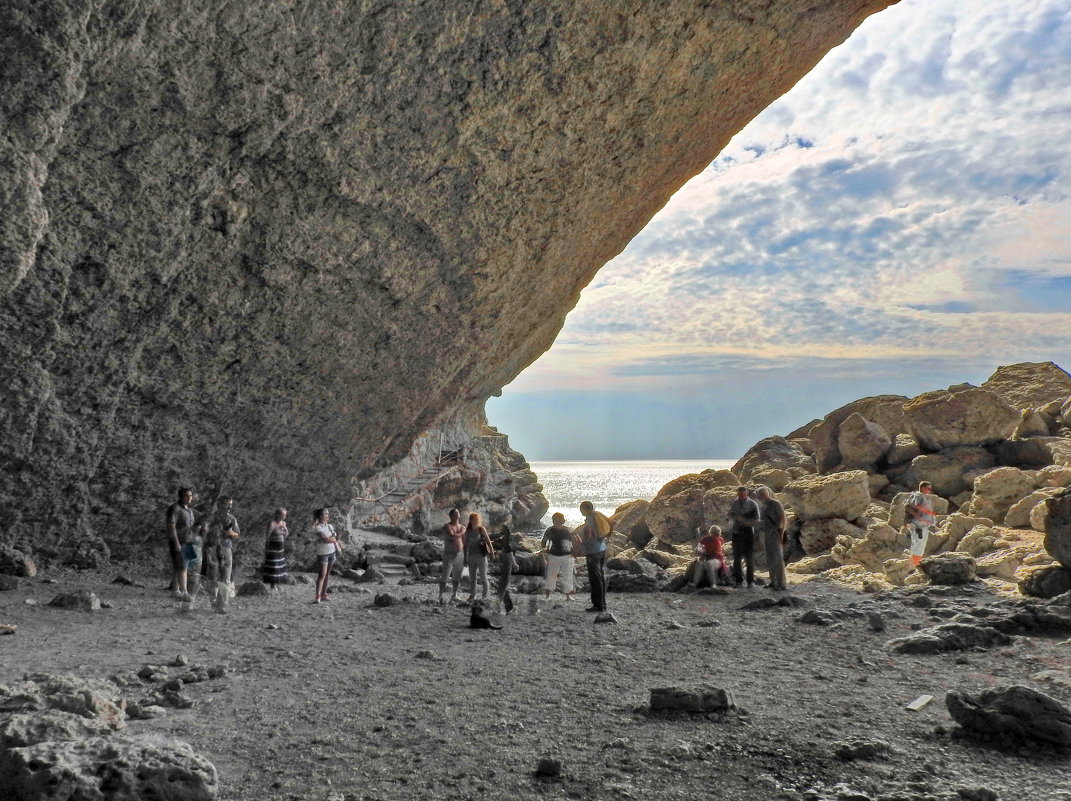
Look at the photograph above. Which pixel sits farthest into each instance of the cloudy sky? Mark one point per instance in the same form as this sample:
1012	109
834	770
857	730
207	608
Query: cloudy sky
900	221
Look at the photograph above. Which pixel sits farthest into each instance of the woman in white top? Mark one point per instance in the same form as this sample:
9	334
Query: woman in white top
327	548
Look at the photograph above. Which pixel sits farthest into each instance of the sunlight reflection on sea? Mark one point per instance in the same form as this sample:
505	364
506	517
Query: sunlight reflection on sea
609	484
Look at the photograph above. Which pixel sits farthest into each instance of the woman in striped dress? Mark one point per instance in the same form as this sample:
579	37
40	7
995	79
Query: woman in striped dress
274	569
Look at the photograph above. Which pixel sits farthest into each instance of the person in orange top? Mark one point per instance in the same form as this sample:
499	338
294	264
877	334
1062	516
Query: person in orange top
711	562
920	518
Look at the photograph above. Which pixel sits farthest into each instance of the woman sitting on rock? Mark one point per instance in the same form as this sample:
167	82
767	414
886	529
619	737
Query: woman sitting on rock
710	564
478	549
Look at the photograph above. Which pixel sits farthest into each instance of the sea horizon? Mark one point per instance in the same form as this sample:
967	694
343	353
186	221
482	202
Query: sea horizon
610	483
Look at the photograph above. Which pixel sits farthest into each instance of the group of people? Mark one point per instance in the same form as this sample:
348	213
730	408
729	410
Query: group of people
205	549
471	546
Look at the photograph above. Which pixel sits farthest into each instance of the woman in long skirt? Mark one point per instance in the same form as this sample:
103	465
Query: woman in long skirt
274	569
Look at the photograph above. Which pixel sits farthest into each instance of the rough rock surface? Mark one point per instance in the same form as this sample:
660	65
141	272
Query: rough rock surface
861	442
887	411
844	495
949	568
996	491
1045	581
678	508
1030	385
817	536
227	235
962	415
773	453
1017	712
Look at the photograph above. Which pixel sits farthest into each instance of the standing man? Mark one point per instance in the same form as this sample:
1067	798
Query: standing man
226	532
774	524
593	536
179	517
453	554
745	514
920	518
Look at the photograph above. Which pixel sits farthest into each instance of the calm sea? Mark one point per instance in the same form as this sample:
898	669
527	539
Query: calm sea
609	484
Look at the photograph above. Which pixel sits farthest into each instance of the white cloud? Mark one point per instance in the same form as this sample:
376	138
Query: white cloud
906	200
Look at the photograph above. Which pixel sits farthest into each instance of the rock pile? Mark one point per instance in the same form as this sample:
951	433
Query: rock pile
998	456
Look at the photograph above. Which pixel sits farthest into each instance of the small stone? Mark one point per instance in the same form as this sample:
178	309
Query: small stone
8	583
605	617
31	602
384	599
875	621
138	711
252	589
548	768
862	749
217	671
174	684
82	600
426	655
977	794
702	698
181	660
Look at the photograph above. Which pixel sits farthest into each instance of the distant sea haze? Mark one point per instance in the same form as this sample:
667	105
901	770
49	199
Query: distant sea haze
610	484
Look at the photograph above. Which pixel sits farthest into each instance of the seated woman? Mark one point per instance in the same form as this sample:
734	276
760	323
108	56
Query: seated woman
710	564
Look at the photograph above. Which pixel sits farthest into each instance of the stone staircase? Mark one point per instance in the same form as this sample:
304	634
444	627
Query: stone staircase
388	554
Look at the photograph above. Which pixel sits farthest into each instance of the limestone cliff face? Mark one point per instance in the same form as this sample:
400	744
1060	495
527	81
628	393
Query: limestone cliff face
268	244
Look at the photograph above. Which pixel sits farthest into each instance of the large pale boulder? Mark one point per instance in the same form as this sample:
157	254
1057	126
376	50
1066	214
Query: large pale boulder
1053	476
879	544
862	443
773	453
996	491
812	565
978	541
112	768
1018	515
886	411
954	528
898	508
961	415
1001	564
845	495
1029	385
716	504
631	520
677	509
1058	527
948	469
817	536
904	448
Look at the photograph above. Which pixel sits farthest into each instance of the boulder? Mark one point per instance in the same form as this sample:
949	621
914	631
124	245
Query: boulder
1029	385
14	562
430	550
949	637
949	568
817	536
898	508
716	504
962	415
1001	564
947	470
813	565
954	528
886	411
633	582
702	698
978	541
774	478
677	510
1028	454
1058	527
1044	581
996	491
29	728
1015	712
81	600
112	768
1053	476
252	589
904	448
88	698
772	453
879	544
1018	514
861	442
845	495
631	520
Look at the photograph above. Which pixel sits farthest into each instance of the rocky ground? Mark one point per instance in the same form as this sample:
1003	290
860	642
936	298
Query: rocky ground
347	700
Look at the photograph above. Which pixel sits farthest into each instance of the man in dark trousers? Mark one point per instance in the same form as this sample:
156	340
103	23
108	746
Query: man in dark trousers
745	514
595	552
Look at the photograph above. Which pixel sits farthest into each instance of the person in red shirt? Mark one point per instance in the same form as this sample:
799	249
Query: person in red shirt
711	557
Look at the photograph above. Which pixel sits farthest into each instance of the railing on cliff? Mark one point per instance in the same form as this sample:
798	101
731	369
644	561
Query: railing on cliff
375	508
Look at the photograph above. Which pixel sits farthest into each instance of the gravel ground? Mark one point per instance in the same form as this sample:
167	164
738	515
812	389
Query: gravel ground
346	701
